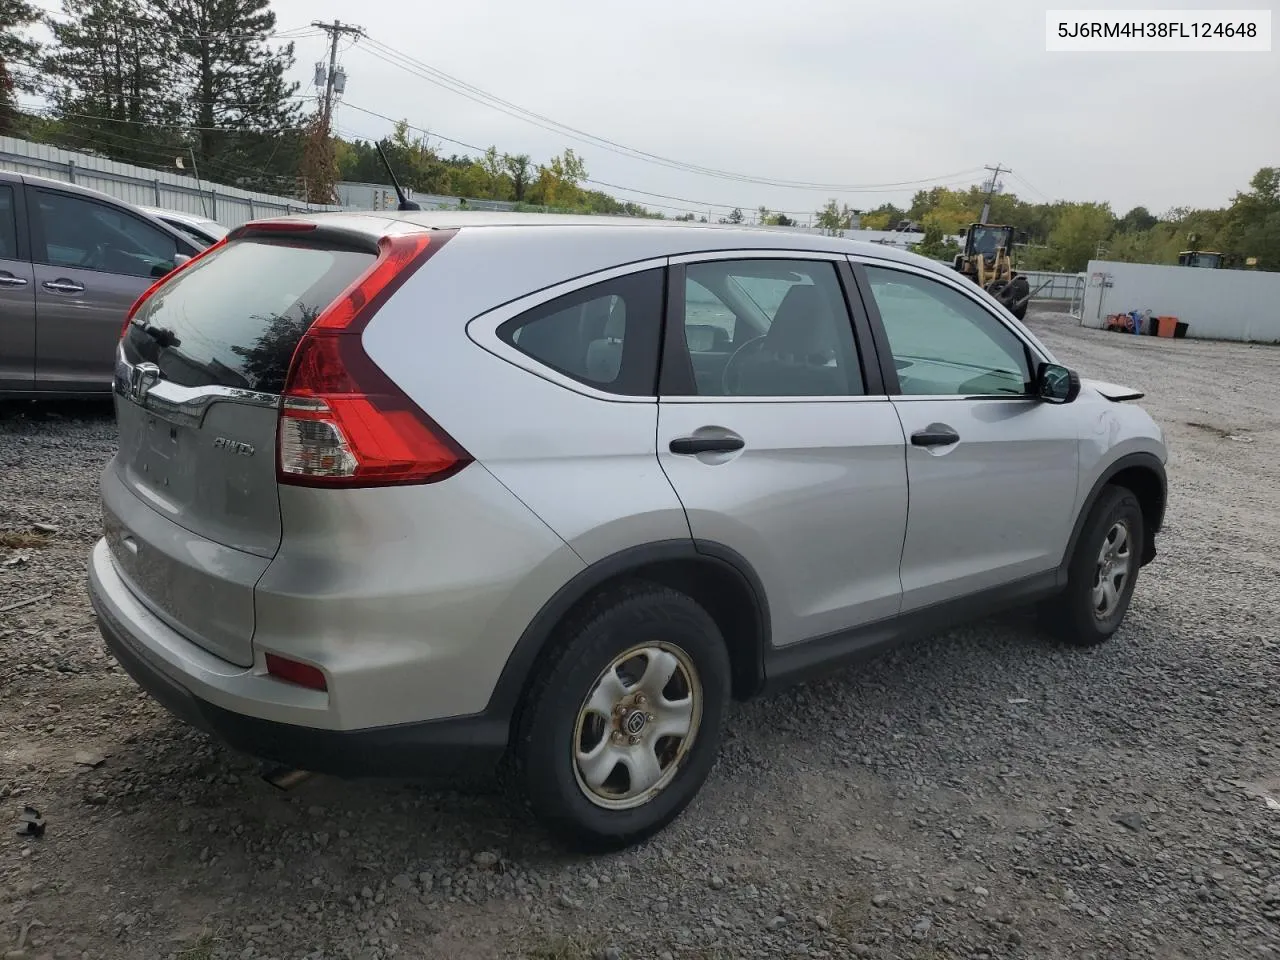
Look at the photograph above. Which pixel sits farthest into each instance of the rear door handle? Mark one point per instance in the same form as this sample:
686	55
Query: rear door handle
935	435
63	286
9	280
693	445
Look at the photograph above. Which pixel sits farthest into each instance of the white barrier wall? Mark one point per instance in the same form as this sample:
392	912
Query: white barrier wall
1216	304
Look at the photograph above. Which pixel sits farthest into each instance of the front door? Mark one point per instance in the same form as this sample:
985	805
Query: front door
92	261
770	438
17	301
992	470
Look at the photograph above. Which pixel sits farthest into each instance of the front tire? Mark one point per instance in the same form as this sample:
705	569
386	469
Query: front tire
1103	571
622	723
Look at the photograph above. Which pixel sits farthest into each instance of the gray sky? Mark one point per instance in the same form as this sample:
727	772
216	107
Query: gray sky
830	91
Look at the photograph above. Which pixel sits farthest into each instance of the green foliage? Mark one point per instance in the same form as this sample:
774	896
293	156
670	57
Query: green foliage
230	76
765	218
833	218
113	77
937	245
883	217
19	57
1078	231
1065	236
148	82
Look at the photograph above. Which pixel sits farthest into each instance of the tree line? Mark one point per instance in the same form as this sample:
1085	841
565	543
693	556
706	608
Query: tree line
1066	235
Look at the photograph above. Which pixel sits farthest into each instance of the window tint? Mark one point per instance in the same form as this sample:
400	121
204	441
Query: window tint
235	317
769	328
605	335
93	236
8	225
943	343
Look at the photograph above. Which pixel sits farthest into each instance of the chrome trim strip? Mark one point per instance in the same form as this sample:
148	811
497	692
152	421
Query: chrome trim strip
763	253
175	403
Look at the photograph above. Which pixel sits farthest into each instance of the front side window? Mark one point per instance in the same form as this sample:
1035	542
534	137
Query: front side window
605	335
87	235
769	328
944	343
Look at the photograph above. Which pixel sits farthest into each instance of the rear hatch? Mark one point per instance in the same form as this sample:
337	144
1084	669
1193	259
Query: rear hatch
191	507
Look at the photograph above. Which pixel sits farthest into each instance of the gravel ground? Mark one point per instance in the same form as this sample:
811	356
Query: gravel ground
983	794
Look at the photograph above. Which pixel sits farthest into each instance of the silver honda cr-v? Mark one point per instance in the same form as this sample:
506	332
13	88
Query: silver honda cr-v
409	495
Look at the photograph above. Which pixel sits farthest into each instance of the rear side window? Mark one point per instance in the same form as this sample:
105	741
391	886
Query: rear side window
235	317
605	335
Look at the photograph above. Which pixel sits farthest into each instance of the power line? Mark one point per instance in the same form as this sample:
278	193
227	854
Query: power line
695	206
55	114
461	88
1031	186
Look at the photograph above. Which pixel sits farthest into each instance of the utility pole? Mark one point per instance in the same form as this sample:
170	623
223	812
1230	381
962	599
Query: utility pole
335	31
319	165
992	186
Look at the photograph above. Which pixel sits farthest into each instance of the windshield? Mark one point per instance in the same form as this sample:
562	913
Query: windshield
986	240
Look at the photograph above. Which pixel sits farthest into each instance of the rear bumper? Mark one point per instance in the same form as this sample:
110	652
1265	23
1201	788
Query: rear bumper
188	681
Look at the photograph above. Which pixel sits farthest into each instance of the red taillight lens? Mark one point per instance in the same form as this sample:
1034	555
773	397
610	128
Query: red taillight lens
303	674
343	422
146	294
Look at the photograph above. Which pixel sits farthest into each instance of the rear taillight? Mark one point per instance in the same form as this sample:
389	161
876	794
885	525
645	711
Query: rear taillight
146	294
343	422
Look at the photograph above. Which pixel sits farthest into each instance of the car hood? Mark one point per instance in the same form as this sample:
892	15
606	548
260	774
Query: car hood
1113	391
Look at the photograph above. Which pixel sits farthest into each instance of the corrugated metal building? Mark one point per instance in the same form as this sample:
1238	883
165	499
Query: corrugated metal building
230	206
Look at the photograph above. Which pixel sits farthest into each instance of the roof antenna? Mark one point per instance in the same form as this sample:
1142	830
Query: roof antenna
405	203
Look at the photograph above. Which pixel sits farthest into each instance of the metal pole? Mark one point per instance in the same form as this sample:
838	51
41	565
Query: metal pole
199	186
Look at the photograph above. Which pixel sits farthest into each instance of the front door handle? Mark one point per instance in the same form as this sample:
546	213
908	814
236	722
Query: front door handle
9	280
694	445
63	285
935	435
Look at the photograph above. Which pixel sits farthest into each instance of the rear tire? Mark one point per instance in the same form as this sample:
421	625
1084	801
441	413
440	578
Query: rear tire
1103	571
621	724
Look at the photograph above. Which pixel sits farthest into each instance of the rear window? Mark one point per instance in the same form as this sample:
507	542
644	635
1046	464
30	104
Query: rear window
234	318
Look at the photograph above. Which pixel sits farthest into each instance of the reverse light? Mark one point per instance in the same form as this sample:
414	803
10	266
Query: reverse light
146	294
343	422
291	671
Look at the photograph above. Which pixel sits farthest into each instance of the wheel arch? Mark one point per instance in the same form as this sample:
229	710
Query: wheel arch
717	577
1144	475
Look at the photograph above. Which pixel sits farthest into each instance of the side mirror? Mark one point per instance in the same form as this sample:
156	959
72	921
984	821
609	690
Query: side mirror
179	259
1056	384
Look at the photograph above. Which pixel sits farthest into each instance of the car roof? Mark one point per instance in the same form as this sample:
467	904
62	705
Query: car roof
668	237
178	215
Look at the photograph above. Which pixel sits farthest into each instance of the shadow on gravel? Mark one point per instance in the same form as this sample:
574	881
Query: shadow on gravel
882	706
52	411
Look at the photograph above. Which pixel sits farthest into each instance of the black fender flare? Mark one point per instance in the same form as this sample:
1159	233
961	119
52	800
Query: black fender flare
504	702
1141	460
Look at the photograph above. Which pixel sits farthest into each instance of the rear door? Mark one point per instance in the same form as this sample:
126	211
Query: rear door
779	441
992	469
17	295
92	261
192	510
